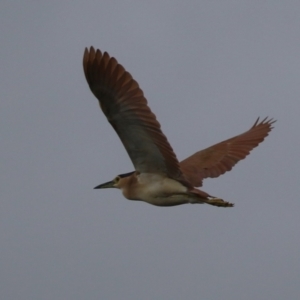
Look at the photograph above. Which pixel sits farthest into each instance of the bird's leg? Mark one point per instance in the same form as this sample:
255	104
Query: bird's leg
218	202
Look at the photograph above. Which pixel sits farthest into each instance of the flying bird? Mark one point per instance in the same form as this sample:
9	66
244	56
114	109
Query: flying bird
159	178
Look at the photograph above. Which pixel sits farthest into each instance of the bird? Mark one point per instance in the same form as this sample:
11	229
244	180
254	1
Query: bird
158	177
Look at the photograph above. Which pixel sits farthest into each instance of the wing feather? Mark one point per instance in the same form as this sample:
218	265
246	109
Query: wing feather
220	158
124	105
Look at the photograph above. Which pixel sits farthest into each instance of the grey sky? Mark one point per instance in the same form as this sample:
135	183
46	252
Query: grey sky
208	70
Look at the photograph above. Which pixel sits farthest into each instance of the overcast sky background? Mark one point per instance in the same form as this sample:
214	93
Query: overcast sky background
208	70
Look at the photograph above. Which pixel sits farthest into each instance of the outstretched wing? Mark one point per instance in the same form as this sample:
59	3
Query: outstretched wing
124	105
220	158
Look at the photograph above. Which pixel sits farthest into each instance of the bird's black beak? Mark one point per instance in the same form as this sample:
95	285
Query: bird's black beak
109	184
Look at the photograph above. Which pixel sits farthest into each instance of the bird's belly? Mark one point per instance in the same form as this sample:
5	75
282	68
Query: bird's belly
161	191
168	200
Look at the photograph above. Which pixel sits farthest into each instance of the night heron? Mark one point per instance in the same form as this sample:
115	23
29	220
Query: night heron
159	178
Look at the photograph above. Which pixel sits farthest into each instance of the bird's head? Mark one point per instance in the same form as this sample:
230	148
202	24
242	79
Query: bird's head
115	183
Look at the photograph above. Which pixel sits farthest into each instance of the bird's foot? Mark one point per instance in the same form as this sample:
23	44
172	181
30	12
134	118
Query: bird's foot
219	202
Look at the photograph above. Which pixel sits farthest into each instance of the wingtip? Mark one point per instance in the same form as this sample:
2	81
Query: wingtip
266	120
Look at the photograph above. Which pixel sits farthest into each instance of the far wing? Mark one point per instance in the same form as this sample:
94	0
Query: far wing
123	103
220	158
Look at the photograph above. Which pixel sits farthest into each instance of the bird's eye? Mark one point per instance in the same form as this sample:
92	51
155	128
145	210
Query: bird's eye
117	179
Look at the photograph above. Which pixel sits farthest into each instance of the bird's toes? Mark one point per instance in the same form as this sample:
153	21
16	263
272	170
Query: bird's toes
219	202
